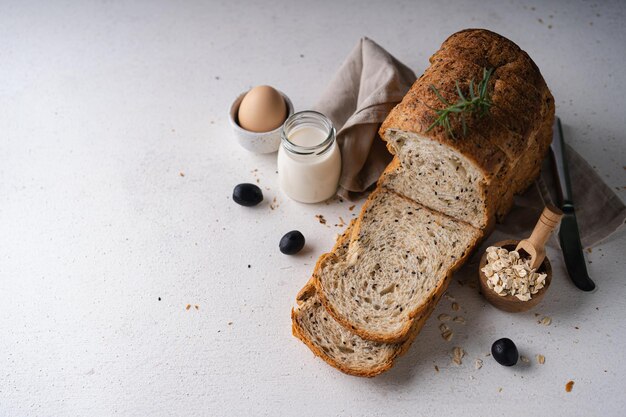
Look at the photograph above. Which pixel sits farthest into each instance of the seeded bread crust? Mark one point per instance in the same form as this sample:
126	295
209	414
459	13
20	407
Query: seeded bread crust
519	124
514	66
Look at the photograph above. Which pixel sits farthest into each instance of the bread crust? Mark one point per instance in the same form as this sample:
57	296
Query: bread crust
518	125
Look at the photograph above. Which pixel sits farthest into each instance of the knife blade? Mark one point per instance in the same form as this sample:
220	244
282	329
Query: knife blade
569	235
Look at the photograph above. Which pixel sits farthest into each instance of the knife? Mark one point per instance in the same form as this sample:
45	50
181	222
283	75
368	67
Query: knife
568	234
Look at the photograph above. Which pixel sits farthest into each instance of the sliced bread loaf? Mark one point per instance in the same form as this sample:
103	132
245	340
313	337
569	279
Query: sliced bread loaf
399	256
369	297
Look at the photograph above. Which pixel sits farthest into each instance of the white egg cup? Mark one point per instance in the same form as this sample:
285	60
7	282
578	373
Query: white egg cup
257	142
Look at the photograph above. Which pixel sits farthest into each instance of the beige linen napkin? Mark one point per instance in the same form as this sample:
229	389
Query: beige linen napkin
367	86
599	211
363	91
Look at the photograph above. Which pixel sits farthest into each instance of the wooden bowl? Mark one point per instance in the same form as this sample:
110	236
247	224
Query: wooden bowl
511	303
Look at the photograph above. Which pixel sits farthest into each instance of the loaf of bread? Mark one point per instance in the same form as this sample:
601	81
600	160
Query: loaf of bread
369	297
471	177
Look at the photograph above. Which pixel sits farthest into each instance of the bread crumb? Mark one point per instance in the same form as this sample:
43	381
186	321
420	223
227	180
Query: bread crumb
320	218
230	323
444	317
459	319
181	173
455	307
447	335
478	364
273	204
457	355
197	307
541	359
500	389
569	386
436	368
443	327
545	321
524	359
449	297
188	307
352	207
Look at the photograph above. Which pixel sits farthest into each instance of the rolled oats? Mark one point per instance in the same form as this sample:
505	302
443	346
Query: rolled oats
457	355
546	321
509	274
447	335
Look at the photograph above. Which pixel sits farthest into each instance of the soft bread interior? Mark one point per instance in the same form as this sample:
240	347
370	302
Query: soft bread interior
338	345
333	342
437	177
399	253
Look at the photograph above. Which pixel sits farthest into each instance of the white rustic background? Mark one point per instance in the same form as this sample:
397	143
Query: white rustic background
105	105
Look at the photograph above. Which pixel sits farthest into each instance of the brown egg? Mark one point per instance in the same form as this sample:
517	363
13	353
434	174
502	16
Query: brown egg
262	109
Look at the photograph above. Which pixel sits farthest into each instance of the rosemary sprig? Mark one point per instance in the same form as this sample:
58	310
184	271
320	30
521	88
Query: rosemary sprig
477	103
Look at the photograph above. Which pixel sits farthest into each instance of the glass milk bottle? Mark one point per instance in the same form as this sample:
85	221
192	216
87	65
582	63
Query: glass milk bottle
309	161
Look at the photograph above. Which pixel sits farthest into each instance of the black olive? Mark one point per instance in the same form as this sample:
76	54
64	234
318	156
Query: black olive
247	195
291	243
504	352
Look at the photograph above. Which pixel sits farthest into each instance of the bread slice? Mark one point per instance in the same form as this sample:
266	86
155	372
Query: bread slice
338	346
398	257
334	343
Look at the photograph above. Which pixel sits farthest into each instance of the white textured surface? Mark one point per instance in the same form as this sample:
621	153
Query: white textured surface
103	104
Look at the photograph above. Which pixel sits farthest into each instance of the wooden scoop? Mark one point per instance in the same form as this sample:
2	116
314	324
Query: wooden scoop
535	245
